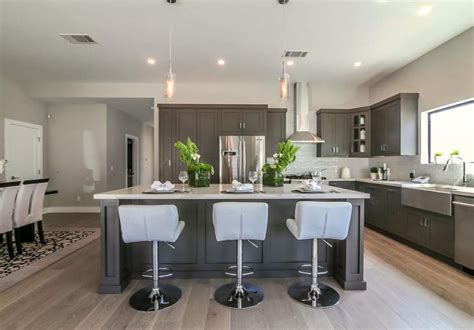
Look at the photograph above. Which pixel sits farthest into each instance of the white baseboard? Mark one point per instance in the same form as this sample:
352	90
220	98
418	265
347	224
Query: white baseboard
71	209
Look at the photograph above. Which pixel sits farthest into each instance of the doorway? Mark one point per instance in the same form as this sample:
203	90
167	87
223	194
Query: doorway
23	150
131	161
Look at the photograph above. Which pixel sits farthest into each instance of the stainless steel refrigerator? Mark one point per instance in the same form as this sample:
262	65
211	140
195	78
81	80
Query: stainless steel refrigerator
239	155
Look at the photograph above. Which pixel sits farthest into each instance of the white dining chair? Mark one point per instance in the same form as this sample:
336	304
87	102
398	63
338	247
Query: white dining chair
8	192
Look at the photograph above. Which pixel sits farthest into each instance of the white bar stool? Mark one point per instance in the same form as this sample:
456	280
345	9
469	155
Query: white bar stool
237	222
318	220
152	223
8	191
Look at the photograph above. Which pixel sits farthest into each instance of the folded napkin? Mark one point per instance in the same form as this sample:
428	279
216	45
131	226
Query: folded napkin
236	185
157	185
311	185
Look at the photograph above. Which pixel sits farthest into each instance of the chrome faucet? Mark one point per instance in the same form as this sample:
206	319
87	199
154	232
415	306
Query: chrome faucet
464	175
317	175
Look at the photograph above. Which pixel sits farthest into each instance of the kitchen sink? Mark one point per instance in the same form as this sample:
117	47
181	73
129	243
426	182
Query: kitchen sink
430	197
436	186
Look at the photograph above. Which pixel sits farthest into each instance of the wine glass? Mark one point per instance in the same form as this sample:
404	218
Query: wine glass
253	176
183	177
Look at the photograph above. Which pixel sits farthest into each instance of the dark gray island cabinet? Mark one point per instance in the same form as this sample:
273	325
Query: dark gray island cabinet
199	255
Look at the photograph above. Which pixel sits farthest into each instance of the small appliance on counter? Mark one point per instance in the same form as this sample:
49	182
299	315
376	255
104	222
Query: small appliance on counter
345	173
293	178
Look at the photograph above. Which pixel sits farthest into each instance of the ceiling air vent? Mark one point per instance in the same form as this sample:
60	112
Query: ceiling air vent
82	39
295	53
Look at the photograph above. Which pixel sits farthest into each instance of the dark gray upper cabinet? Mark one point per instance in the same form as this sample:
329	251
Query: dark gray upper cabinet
230	122
276	129
243	120
166	141
332	125
394	124
203	123
360	131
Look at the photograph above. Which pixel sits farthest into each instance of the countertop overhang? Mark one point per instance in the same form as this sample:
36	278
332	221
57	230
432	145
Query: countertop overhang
216	191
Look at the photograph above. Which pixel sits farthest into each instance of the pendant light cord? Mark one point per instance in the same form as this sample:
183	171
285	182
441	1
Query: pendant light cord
170	39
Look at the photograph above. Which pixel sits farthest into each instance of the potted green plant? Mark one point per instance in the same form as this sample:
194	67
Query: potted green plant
455	152
199	173
273	173
373	173
438	155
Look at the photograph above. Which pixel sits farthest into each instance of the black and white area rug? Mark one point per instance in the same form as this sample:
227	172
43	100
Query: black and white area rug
37	256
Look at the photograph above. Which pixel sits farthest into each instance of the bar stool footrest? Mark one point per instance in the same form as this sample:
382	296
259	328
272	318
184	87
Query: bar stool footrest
149	273
232	271
305	269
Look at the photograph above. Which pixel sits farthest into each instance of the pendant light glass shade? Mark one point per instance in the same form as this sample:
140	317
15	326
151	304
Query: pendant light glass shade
284	85
170	85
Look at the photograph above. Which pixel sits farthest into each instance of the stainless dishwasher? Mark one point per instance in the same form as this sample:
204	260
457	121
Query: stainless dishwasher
464	231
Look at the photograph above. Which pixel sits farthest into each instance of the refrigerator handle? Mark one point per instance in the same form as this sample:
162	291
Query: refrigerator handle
244	161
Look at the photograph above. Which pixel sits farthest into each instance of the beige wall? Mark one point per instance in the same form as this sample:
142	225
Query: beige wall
17	105
442	76
118	124
77	153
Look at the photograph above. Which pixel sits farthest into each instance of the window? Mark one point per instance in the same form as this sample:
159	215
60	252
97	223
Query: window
450	129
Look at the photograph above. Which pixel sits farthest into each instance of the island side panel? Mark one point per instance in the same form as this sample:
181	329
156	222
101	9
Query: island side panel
349	256
115	273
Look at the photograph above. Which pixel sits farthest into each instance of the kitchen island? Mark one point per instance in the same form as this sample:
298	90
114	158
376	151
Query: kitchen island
199	255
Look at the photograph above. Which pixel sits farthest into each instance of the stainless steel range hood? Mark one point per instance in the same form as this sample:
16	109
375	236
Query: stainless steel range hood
301	106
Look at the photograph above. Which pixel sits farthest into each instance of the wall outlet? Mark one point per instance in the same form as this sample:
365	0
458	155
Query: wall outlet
78	198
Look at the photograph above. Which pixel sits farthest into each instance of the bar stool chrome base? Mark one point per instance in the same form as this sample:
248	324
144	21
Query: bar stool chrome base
150	300
248	296
322	297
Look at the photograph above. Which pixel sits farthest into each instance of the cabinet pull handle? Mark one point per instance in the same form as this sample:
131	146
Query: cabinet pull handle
243	125
421	221
169	162
240	125
381	148
337	150
463	204
426	222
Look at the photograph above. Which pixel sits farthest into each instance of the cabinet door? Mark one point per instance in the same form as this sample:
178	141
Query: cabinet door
379	206
230	122
326	131
254	122
378	131
341	134
415	229
276	131
391	114
185	127
393	211
167	154
441	234
208	139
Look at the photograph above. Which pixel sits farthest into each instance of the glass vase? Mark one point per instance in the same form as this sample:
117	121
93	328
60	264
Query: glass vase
273	179
199	179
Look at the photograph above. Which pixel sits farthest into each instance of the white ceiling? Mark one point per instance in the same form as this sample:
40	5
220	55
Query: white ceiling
247	34
138	108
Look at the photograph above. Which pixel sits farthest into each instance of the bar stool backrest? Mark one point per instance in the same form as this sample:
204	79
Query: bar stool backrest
148	223
323	220
8	194
240	221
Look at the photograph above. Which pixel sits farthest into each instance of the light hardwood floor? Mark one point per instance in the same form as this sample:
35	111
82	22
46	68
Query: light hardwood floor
406	289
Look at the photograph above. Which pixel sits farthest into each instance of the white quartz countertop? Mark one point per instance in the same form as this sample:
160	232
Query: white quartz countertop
457	190
217	191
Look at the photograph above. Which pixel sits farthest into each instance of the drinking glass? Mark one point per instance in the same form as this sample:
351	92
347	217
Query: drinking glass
183	177
253	176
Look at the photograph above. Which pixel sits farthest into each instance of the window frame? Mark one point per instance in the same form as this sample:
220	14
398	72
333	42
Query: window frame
446	108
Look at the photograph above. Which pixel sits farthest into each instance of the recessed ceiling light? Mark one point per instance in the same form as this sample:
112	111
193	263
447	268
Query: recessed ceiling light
424	10
221	62
151	61
290	63
357	64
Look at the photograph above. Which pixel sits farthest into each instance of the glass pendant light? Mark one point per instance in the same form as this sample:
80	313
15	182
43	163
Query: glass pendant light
170	83
284	84
285	77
